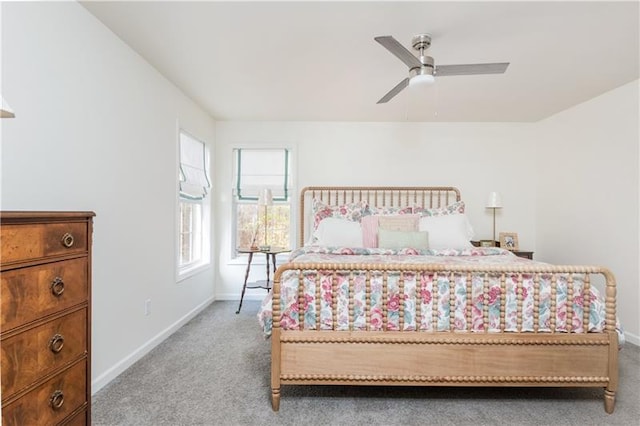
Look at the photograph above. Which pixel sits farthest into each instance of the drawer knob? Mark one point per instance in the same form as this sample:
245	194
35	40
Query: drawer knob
67	240
56	400
56	343
57	286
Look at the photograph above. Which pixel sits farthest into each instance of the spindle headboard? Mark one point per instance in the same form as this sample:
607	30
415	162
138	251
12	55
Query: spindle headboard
377	196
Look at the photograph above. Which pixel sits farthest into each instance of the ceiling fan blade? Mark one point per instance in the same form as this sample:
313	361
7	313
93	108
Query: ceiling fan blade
401	52
471	69
386	98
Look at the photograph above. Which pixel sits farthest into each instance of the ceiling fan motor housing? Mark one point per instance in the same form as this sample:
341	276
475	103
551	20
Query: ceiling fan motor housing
426	68
421	42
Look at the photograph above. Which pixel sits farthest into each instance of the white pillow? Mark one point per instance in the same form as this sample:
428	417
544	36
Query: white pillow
338	232
451	231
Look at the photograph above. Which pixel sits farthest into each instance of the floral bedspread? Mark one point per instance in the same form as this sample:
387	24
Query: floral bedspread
433	291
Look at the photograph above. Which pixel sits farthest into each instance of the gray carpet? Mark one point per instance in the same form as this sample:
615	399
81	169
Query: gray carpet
215	371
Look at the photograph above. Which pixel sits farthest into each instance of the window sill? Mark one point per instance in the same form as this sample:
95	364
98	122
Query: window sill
192	270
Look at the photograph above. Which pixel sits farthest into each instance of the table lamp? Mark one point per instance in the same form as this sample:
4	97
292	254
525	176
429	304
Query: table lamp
265	199
494	202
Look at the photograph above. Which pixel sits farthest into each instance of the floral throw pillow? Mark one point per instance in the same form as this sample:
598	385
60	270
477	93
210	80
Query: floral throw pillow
388	211
350	211
455	208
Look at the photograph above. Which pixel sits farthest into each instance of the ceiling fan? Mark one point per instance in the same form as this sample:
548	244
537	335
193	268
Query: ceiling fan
423	68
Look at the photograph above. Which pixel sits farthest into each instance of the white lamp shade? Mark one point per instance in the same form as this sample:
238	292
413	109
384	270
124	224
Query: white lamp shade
266	197
494	201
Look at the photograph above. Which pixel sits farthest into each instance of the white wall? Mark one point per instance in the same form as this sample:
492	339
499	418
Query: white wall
475	157
587	210
96	129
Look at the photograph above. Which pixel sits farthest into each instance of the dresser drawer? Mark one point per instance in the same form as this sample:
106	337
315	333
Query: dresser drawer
31	241
30	293
79	419
29	355
50	402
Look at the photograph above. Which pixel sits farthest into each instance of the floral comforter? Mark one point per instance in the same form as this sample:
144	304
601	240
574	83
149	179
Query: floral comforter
433	293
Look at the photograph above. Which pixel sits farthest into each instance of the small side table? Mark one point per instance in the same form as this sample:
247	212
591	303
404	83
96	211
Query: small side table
520	253
524	254
271	256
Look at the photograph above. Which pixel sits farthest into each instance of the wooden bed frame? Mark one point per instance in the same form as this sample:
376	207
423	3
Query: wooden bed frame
420	358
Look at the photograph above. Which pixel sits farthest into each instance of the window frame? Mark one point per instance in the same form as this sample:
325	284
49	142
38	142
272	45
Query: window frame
184	271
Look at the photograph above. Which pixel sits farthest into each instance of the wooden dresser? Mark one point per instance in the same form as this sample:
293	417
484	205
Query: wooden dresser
45	329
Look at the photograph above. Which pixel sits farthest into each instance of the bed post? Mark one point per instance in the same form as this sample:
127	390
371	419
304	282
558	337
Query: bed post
275	369
612	387
275	343
610	327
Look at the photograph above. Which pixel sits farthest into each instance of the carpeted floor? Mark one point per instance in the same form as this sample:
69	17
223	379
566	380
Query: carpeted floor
215	371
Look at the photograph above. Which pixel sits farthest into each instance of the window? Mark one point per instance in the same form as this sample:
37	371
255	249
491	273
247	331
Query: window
190	232
193	241
256	224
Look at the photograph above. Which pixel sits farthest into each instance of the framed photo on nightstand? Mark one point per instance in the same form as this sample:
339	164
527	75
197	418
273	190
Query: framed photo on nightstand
509	240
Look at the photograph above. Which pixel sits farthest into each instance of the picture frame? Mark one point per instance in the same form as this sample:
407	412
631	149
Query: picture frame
487	243
509	241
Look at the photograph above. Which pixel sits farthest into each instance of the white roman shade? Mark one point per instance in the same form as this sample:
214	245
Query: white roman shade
194	182
259	169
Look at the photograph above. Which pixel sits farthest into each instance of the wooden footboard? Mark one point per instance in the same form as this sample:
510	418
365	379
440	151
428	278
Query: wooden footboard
449	358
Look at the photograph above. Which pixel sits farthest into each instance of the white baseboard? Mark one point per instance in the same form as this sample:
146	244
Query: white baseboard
101	381
632	338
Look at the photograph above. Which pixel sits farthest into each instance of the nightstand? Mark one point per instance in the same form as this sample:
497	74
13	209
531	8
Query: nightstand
519	253
265	284
524	254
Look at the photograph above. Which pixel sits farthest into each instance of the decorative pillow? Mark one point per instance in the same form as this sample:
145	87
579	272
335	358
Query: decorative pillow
370	225
451	231
338	232
455	208
403	239
352	211
399	222
386	210
370	231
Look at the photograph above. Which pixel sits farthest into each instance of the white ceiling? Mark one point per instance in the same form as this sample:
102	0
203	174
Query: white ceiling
317	61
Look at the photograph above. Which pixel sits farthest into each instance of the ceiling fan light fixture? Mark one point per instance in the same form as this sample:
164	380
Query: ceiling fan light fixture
421	79
422	75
